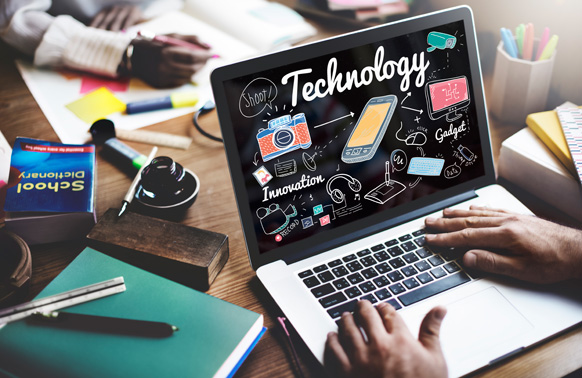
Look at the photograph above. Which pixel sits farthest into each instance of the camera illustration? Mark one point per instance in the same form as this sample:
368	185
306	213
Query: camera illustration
440	41
274	219
284	134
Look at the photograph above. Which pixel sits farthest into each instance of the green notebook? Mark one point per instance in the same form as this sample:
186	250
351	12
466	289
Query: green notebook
214	335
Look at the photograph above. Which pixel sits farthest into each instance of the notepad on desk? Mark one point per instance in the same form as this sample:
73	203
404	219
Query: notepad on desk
214	336
247	29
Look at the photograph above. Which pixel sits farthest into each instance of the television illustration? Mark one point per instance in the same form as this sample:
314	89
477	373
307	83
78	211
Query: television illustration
446	97
441	41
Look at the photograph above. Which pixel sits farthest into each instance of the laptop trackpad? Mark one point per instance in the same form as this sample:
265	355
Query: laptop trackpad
479	322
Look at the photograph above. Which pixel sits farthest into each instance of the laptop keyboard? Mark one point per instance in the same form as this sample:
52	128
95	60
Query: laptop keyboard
401	272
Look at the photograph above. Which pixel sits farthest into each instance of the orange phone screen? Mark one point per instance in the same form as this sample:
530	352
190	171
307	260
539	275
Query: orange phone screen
369	125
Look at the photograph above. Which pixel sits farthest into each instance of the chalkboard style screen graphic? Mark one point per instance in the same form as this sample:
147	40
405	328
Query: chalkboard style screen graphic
355	135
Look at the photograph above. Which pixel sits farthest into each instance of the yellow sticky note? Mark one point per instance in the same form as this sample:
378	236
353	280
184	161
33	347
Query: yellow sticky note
96	105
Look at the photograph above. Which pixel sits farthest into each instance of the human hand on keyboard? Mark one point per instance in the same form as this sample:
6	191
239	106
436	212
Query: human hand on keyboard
520	246
388	349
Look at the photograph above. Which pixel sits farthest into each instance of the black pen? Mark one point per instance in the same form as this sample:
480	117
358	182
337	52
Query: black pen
105	324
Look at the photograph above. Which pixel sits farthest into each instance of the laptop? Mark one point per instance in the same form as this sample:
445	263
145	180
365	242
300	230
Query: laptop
339	149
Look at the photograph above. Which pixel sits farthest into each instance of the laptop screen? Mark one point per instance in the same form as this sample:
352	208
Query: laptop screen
354	135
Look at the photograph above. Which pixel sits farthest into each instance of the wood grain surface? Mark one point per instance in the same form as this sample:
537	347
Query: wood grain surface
215	210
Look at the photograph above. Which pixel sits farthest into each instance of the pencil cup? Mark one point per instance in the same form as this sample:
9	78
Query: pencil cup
519	87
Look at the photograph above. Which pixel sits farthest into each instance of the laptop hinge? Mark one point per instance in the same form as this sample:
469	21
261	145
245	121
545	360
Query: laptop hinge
393	222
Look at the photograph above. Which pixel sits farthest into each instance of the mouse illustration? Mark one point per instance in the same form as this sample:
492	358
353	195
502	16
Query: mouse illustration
416	139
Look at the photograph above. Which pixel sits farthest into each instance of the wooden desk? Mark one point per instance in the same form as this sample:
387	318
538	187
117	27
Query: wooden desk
215	209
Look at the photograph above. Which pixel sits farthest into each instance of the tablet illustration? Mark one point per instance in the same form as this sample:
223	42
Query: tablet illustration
370	129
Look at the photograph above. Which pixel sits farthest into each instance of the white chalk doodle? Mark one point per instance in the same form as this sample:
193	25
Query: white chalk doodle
386	190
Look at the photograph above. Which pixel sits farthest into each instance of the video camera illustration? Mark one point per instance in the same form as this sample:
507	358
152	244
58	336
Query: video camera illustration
441	41
284	134
274	219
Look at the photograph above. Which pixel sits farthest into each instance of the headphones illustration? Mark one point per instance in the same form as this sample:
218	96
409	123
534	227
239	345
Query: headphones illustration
337	195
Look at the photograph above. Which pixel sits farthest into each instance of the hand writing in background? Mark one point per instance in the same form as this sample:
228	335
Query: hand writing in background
161	65
117	17
520	246
390	349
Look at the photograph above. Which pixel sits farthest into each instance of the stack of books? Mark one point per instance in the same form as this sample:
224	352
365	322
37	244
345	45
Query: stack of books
370	9
537	159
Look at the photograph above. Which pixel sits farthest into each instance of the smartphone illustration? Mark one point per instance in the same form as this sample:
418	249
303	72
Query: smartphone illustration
370	129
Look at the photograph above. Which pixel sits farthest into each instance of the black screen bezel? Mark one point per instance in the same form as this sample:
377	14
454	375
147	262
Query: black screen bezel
373	223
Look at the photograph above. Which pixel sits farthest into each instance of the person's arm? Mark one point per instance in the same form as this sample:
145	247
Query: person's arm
388	349
520	246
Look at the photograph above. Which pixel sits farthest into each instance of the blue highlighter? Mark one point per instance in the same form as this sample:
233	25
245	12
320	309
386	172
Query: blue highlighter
175	100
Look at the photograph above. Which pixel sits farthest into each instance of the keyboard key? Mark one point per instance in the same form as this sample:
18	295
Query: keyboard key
349	258
369	273
306	273
404	238
452	267
408	246
353	292
340	271
366	287
319	269
420	241
381	281
341	284
411	283
395	276
326	276
394	303
418	232
363	253
396	263
436	260
451	254
368	261
354	266
424	278
423	252
422	265
409	271
438	272
336	312
370	297
395	251
322	290
333	300
355	278
381	256
390	243
383	268
410	257
434	288
383	294
334	263
311	282
397	289
377	248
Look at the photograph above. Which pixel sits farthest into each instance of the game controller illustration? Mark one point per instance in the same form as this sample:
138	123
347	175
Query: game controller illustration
284	134
274	219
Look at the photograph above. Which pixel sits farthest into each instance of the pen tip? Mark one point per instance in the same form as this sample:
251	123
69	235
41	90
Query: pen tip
174	328
122	210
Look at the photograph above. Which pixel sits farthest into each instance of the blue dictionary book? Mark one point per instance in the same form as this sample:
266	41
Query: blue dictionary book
51	196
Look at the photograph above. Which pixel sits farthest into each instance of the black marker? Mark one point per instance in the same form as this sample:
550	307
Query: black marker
105	324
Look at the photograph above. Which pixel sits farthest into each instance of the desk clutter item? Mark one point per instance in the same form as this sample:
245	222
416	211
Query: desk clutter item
62	300
520	85
188	255
53	197
527	162
214	337
15	266
166	189
571	121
